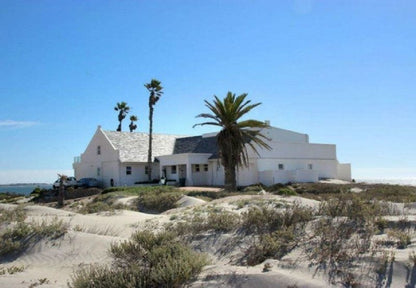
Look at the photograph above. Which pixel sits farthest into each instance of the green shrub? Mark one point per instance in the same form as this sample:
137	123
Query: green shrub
261	220
12	238
274	245
16	235
158	201
275	187
402	237
254	188
102	203
12	215
147	260
220	221
285	191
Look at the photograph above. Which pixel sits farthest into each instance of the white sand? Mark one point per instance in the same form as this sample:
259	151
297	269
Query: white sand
90	237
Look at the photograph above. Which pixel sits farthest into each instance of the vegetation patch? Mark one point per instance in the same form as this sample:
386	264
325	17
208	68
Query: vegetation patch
147	260
16	235
10	197
158	201
214	220
102	203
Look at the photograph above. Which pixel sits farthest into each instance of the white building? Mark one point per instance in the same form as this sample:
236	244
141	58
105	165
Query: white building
122	156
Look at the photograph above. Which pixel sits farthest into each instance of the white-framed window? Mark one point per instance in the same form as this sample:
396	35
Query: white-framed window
98	150
173	169
146	169
280	166
196	167
128	170
205	167
310	166
98	171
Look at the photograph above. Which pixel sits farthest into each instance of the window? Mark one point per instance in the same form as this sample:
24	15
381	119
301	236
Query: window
173	169
205	167
196	167
128	170
98	150
146	169
310	166
281	166
98	172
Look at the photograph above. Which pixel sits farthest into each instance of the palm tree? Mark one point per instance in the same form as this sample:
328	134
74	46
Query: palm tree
123	111
132	126
234	136
61	193
156	92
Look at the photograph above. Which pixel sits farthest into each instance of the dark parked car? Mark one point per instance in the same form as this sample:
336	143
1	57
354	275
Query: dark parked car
87	182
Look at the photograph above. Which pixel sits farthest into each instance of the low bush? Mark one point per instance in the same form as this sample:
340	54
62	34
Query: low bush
158	201
102	203
274	245
219	221
261	220
147	260
402	238
285	191
16	235
354	207
137	190
10	197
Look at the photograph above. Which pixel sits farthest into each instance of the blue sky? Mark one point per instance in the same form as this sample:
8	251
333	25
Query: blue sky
343	72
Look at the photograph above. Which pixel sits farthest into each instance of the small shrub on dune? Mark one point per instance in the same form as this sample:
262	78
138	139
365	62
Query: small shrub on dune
158	201
147	260
267	219
102	203
274	245
261	220
12	215
352	206
402	238
285	191
219	221
16	235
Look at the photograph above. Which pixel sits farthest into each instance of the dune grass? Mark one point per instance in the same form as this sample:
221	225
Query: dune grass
146	260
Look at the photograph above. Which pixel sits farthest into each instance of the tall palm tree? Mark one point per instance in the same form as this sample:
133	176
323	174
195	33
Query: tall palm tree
123	110
155	90
132	126
235	135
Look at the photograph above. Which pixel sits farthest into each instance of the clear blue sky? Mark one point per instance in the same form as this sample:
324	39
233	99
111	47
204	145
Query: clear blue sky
343	72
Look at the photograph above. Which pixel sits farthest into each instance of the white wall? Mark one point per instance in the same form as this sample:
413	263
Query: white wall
282	135
137	173
344	171
248	175
90	160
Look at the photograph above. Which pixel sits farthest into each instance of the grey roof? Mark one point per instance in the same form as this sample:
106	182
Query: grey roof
133	147
197	144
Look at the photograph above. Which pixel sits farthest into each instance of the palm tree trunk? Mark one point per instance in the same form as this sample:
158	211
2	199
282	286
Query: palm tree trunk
149	154
230	179
61	194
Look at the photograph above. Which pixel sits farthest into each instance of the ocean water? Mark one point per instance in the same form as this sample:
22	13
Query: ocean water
24	189
395	181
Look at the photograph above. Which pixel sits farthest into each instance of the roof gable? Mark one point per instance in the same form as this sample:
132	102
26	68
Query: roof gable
133	147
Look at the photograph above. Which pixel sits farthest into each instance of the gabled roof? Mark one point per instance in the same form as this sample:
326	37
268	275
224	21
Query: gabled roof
133	147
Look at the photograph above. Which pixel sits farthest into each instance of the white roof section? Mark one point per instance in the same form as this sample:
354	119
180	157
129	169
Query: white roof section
133	147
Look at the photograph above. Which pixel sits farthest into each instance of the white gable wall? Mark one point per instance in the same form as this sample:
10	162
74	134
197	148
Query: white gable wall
107	161
282	135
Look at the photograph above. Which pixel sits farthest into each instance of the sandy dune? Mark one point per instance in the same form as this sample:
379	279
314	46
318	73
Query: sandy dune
90	237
